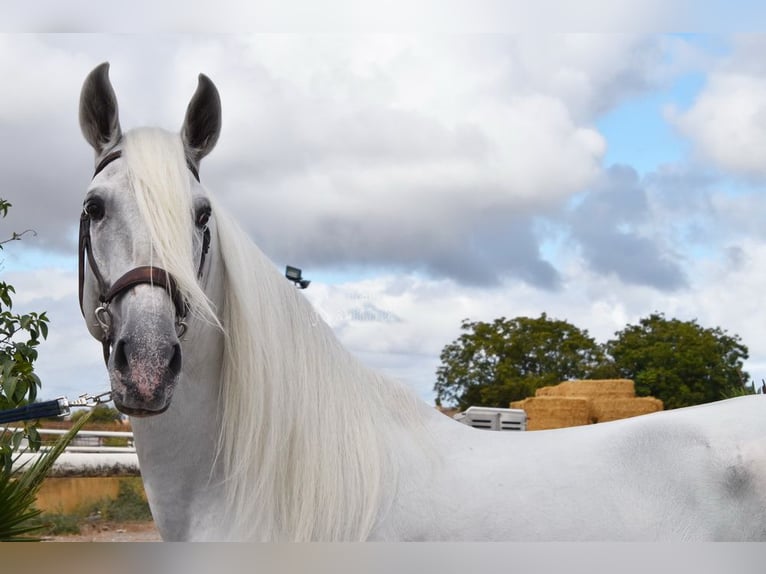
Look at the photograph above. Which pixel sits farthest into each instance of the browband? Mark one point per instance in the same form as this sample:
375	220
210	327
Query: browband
110	157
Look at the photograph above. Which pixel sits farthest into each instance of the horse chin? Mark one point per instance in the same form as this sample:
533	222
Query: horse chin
130	401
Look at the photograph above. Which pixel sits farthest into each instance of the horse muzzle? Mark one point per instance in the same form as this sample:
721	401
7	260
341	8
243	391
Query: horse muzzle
143	378
145	362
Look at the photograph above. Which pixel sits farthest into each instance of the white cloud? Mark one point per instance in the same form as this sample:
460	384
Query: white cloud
433	157
69	360
38	79
342	16
429	312
49	283
728	122
342	135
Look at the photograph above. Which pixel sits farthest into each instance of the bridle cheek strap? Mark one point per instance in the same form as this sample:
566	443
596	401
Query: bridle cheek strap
144	275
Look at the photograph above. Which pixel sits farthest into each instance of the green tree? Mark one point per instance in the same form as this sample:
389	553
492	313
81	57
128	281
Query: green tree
20	335
492	364
680	362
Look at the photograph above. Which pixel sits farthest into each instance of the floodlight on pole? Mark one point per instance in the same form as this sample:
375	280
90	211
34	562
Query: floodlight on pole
295	275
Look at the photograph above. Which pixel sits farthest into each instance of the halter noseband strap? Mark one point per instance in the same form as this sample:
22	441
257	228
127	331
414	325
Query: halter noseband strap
147	275
138	276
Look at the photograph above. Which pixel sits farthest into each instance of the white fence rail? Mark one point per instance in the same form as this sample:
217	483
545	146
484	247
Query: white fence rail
90	440
87	452
93	440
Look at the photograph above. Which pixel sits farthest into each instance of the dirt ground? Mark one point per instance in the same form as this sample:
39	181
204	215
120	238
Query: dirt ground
113	532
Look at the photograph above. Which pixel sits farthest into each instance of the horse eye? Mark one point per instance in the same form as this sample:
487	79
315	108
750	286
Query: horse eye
203	216
94	208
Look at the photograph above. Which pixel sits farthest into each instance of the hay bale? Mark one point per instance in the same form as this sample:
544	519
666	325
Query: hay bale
580	402
612	409
596	388
554	412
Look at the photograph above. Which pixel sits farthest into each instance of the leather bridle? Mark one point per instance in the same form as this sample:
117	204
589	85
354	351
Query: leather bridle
142	275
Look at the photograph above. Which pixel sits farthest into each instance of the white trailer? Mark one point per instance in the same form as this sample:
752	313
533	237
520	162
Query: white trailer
492	418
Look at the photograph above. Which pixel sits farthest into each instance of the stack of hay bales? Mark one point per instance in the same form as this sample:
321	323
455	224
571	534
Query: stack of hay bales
554	412
574	403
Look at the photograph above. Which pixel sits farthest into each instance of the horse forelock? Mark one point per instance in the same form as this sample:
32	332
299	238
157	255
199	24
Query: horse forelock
159	177
308	437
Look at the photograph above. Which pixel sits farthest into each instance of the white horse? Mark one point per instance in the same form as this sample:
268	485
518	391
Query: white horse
255	424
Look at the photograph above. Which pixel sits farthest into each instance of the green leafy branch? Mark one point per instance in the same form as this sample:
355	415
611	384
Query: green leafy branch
20	336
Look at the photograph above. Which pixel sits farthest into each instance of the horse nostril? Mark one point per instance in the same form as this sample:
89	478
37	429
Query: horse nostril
174	367
170	353
119	356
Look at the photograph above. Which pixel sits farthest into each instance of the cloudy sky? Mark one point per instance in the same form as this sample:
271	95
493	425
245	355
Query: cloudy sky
423	179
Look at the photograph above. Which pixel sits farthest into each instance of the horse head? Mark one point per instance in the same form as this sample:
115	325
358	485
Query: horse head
145	231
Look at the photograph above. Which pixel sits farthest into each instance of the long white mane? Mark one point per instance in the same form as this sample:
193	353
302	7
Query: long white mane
159	178
308	435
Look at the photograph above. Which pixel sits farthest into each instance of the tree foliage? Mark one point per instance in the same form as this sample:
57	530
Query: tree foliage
20	335
680	362
492	364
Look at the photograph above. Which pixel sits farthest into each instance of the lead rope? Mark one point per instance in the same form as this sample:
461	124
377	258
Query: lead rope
54	408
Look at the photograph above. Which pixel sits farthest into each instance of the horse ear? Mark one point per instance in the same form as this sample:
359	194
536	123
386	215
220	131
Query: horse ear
99	121
202	124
